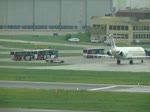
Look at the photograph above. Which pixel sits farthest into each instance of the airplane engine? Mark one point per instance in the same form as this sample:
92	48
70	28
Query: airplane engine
123	53
109	53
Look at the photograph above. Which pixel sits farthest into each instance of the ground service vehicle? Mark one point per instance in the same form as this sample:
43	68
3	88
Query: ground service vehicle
54	60
95	40
46	53
93	52
38	54
74	39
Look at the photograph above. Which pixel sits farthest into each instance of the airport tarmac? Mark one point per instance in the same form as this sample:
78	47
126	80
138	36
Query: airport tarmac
80	63
75	86
100	64
36	110
93	64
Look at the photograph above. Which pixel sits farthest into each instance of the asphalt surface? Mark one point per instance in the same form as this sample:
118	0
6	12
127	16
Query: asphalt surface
81	63
75	86
100	64
36	110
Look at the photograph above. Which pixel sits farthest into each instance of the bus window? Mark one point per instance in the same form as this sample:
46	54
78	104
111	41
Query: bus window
84	51
92	52
38	54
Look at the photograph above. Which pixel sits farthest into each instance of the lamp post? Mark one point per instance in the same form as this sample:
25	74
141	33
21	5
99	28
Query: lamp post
60	16
85	14
33	15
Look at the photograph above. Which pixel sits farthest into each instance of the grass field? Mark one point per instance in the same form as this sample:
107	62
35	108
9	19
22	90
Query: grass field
69	54
2	56
98	77
32	46
4	50
75	100
84	39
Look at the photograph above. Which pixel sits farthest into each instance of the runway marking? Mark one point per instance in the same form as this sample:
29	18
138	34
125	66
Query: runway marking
95	89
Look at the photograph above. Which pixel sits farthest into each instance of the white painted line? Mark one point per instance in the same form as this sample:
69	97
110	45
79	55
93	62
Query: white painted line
95	89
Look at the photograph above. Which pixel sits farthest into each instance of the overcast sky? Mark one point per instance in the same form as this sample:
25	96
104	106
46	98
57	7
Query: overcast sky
133	3
138	3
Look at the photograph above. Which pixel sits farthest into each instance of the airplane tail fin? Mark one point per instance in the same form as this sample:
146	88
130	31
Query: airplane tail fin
113	45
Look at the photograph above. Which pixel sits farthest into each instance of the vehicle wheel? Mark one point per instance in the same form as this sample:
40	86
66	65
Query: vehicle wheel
131	61
20	58
142	61
16	59
118	62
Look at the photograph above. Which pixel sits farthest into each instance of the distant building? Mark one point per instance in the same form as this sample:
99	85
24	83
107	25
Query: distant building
131	4
129	28
119	5
138	14
51	14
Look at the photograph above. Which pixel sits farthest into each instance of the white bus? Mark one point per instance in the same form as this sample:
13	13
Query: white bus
93	52
38	54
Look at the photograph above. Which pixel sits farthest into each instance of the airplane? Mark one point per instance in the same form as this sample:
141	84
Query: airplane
126	53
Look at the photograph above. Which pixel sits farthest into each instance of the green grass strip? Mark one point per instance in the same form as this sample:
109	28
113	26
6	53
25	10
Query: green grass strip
41	38
98	77
74	100
69	54
4	56
32	46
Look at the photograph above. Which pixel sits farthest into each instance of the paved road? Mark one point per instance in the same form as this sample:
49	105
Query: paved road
36	110
102	64
75	86
80	63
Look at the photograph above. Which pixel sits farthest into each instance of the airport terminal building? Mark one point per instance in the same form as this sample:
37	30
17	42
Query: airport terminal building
132	26
51	14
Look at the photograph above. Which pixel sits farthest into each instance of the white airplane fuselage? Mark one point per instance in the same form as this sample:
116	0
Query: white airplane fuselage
128	52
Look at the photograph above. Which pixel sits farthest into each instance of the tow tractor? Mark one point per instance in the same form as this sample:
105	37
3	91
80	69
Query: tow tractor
54	60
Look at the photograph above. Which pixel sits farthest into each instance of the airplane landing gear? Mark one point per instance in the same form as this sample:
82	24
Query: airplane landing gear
131	61
118	62
142	61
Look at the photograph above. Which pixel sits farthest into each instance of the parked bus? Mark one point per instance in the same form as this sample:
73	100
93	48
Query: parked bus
45	53
38	54
93	52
